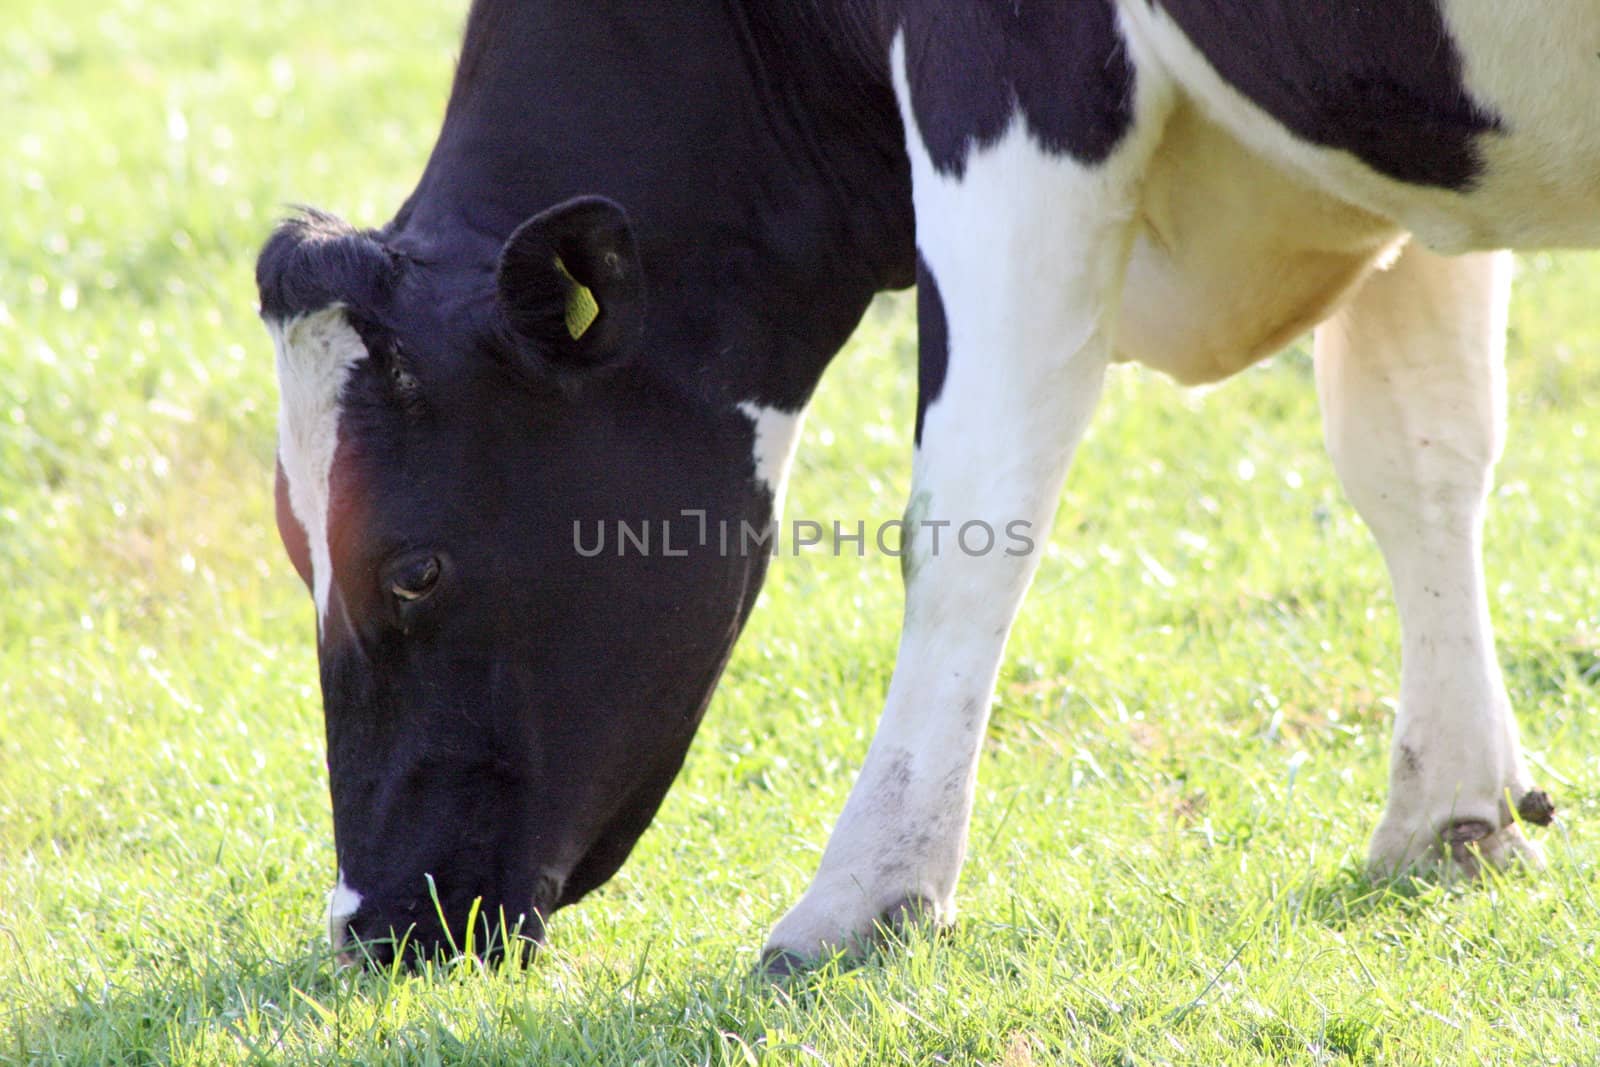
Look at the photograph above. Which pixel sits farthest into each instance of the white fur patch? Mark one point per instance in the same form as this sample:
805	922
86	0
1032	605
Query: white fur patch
343	902
1027	250
1412	382
315	355
777	435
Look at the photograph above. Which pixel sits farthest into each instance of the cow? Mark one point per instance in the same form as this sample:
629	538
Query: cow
644	231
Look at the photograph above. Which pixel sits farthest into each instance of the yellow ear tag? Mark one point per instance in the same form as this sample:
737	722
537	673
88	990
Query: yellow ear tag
582	308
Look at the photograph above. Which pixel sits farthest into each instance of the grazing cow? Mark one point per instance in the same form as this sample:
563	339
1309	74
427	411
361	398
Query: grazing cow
644	231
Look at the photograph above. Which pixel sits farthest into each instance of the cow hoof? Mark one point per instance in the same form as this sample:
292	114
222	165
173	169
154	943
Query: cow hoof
780	965
1472	844
800	941
1464	839
1462	849
914	912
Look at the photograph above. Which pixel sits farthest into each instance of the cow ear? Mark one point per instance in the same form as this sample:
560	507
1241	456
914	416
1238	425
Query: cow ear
570	285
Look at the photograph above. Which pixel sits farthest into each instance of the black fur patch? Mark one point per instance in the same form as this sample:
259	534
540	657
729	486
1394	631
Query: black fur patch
933	342
973	64
1381	81
757	149
315	259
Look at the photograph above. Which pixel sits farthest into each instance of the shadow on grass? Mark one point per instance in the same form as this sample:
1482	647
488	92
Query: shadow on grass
1354	896
153	1008
235	1007
1055	976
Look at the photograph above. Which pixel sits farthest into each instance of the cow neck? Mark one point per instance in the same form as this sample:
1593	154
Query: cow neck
758	152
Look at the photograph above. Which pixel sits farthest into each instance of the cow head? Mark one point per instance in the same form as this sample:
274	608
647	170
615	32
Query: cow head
505	707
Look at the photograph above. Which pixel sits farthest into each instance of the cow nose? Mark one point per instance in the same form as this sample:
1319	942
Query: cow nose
372	930
343	903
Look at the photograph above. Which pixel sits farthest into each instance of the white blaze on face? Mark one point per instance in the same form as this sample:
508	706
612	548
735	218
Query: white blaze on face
315	355
777	434
343	902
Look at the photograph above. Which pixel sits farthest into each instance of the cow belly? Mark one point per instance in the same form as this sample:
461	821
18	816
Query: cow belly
1234	258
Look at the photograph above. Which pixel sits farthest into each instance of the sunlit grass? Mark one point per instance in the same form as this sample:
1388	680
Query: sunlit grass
1187	751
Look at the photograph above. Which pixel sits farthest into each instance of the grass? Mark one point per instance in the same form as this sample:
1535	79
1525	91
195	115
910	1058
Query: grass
1186	757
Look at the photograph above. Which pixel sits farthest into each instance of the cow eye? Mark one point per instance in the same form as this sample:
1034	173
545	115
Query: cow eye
415	578
403	381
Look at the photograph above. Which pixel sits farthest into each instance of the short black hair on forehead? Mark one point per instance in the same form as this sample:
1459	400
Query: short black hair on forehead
314	259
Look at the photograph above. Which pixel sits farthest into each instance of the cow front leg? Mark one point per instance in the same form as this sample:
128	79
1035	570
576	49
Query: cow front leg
1021	256
1411	377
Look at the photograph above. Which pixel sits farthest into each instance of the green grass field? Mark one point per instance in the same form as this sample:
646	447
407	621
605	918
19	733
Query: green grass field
1186	757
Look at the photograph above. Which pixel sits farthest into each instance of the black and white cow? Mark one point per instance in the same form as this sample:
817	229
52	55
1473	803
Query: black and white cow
646	228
